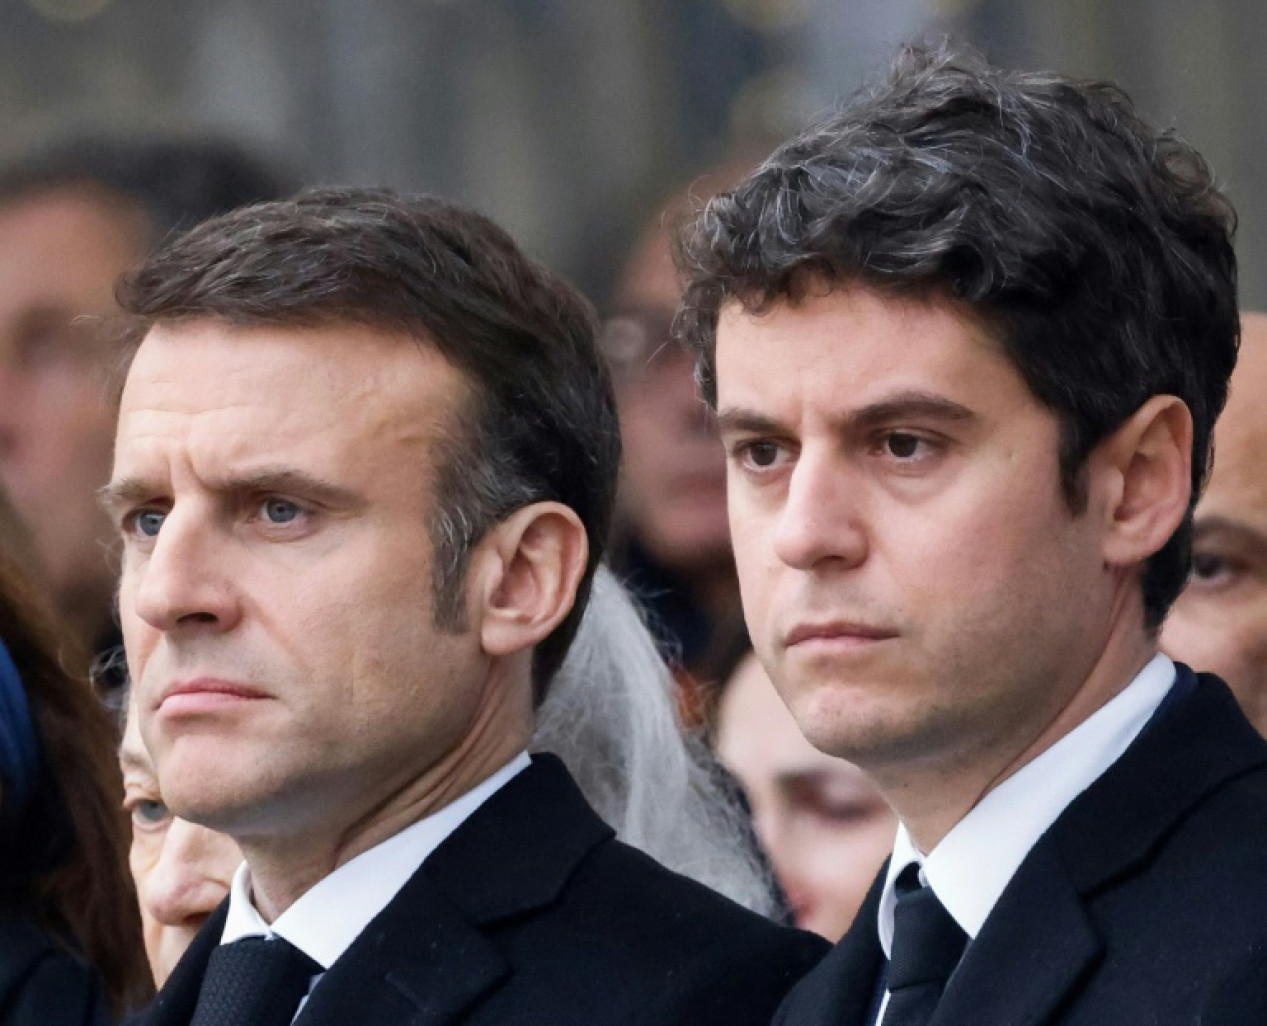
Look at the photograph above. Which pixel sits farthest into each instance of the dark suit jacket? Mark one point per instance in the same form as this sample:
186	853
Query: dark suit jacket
531	913
1144	904
42	984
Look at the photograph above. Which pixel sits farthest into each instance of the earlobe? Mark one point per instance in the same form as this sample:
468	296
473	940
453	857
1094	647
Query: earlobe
537	556
1150	455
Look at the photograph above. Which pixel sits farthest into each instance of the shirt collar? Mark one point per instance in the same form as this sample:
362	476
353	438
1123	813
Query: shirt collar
326	919
972	865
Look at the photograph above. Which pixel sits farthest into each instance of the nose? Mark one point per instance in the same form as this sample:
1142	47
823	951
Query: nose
820	521
184	583
192	874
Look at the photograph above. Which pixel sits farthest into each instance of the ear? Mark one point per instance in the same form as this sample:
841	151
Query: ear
531	566
1147	464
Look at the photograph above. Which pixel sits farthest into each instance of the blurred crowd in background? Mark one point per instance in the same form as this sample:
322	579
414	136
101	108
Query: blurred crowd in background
566	121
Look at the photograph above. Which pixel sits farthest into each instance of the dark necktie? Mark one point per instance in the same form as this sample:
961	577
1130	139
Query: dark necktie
253	982
927	945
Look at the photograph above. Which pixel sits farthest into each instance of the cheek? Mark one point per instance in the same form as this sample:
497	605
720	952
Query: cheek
142	858
754	561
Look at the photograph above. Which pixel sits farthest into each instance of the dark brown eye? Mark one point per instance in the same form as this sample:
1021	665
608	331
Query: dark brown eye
763	454
1206	565
903	446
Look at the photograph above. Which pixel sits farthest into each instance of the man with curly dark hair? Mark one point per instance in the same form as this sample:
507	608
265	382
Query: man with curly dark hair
966	341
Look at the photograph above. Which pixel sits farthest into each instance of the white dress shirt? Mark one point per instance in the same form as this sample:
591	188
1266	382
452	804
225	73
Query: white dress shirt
972	865
325	920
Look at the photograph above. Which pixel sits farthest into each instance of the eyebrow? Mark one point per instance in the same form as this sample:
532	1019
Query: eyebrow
117	495
128	491
902	406
1233	529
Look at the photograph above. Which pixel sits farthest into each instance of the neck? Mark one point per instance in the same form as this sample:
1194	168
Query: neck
286	866
932	798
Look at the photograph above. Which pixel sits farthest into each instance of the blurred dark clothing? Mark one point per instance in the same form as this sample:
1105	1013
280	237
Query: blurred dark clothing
682	628
684	632
42	984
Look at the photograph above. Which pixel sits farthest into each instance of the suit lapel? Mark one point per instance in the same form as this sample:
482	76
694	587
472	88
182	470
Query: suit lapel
1193	746
425	960
420	962
841	990
859	968
1038	943
517	852
1034	948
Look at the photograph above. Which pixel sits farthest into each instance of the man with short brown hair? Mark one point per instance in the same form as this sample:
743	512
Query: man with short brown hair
364	471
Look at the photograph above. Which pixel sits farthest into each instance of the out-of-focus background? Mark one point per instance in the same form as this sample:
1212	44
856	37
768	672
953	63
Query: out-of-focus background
567	119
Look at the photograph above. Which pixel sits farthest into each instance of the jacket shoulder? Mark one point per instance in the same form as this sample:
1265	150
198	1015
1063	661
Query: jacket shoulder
629	933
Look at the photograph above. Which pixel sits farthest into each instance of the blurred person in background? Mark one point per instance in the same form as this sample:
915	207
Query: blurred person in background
1219	622
70	946
182	871
73	217
821	820
672	542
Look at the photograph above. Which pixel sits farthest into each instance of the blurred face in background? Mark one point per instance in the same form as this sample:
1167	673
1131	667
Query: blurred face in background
1219	623
182	871
823	823
60	253
674	477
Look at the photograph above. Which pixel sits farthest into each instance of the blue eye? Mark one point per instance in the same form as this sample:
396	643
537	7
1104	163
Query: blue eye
280	511
148	522
149	812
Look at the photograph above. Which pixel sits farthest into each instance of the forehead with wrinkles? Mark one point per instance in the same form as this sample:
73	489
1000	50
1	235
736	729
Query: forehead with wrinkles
230	396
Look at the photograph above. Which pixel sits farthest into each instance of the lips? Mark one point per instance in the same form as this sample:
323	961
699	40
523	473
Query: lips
841	631
205	690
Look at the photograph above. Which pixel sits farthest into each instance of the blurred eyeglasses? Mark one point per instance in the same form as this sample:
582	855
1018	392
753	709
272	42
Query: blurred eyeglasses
638	341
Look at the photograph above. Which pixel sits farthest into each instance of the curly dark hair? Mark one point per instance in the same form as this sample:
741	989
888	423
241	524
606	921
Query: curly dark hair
541	424
1096	248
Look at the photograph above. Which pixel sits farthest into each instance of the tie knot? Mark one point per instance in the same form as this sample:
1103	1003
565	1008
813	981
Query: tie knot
254	980
908	881
927	942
